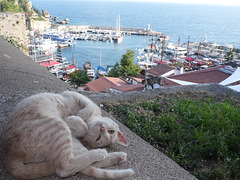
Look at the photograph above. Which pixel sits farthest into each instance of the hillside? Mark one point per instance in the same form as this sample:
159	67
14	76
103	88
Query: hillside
15	6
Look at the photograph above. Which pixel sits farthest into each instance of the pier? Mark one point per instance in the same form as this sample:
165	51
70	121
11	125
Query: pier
78	29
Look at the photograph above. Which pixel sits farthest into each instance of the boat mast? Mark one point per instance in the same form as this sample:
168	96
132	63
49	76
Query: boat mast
188	45
100	59
119	23
72	55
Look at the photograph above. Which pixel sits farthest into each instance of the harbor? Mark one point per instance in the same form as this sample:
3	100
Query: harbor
48	46
189	55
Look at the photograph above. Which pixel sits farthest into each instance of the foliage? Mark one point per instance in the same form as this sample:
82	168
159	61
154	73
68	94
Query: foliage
128	68
79	78
114	71
14	41
229	56
200	135
40	17
9	6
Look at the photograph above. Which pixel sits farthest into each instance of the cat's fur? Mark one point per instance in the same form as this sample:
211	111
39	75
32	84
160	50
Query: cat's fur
153	80
40	138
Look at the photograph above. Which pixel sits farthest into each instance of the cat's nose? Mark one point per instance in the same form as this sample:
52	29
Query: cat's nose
102	128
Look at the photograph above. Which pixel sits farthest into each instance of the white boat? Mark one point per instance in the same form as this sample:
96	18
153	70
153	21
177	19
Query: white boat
146	64
175	50
117	38
47	45
91	73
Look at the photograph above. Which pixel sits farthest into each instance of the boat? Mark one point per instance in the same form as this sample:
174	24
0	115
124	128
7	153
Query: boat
118	37
145	61
146	64
47	45
88	67
175	50
60	38
101	71
91	73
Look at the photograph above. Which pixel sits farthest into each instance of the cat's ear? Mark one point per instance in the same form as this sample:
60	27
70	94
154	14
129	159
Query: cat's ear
121	139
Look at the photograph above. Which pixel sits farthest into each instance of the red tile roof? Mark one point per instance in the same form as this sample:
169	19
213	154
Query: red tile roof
210	75
160	69
100	84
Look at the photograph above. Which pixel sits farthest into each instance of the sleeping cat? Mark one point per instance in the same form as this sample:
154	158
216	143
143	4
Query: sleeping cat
40	138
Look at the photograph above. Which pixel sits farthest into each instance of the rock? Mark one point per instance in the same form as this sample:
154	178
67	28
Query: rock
45	14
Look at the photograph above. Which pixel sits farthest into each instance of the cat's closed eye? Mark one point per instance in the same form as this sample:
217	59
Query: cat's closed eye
111	131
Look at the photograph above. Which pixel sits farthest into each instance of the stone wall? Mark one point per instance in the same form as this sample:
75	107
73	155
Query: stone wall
13	27
39	25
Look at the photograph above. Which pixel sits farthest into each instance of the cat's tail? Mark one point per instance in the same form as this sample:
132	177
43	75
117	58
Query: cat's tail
21	170
106	173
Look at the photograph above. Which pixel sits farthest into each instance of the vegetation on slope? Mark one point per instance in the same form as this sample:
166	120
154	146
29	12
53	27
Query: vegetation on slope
11	6
15	6
199	132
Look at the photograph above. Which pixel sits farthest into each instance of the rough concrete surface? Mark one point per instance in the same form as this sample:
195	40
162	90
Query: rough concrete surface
21	77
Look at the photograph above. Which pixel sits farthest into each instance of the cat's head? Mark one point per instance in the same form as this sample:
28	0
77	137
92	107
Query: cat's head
103	131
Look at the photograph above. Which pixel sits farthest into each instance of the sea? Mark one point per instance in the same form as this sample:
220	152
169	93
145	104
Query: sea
217	23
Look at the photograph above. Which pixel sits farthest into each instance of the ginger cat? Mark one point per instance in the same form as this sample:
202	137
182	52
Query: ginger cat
40	138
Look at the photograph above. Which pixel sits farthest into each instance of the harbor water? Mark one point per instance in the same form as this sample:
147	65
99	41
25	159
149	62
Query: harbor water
220	24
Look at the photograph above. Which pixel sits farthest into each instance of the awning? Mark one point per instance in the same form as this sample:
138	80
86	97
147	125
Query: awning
236	88
48	64
72	67
233	78
183	83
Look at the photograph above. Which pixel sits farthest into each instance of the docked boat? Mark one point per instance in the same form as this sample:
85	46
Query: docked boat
145	61
88	67
118	37
61	39
175	50
91	73
101	71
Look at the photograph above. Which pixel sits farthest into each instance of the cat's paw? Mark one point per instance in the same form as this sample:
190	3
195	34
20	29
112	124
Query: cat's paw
117	157
101	154
121	157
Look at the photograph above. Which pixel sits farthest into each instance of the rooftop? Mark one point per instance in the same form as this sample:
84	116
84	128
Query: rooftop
160	69
210	75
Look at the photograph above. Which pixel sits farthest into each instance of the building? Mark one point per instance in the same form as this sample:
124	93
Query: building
224	75
114	85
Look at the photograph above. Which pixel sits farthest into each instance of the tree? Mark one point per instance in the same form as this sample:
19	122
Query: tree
128	68
7	6
79	78
229	56
114	71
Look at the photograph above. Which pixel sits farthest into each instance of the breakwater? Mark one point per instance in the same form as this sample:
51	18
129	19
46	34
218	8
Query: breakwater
77	29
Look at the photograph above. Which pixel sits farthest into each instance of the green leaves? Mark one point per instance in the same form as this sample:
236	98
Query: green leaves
79	78
127	66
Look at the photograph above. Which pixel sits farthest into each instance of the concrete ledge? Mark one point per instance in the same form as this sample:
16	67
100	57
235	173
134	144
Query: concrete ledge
21	77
